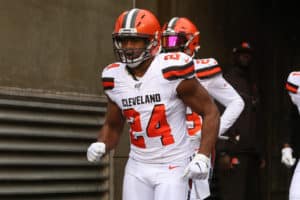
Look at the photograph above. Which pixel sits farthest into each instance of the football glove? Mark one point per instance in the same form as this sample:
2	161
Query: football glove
198	168
287	157
95	151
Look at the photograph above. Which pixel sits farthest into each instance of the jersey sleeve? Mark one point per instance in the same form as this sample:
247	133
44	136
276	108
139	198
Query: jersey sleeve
226	95
207	68
292	86
108	79
177	66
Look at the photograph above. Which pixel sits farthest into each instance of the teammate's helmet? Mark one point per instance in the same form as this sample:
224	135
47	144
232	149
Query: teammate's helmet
180	34
243	47
132	24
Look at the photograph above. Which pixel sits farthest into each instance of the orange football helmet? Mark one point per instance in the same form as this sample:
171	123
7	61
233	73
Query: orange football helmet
180	34
136	24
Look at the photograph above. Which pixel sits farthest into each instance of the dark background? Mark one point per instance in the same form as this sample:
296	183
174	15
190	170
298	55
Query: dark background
272	27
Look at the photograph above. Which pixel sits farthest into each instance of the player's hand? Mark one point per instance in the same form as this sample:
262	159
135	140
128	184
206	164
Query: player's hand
95	151
233	139
198	168
287	157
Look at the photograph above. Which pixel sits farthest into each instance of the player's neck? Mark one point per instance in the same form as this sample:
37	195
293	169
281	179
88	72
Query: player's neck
140	70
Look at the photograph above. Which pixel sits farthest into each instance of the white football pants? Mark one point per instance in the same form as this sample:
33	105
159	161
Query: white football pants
295	184
155	181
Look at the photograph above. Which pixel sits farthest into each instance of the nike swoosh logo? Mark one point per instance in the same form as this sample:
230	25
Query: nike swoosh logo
172	167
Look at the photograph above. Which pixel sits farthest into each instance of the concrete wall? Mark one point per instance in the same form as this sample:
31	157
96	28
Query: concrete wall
56	45
57	49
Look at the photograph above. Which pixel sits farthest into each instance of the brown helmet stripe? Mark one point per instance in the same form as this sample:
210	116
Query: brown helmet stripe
130	18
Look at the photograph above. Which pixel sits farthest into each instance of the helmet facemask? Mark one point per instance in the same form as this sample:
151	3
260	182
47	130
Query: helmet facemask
133	57
172	41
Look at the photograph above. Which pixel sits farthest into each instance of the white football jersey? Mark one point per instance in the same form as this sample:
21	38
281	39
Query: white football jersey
293	85
150	104
209	74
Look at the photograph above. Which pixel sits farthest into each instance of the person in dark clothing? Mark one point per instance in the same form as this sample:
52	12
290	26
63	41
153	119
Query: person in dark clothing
240	161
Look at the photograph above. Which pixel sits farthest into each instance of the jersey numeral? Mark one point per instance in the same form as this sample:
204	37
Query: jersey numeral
202	61
172	56
157	126
197	123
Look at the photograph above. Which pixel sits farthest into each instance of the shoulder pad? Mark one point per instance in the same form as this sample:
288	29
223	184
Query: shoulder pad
113	65
206	62
177	65
109	74
207	68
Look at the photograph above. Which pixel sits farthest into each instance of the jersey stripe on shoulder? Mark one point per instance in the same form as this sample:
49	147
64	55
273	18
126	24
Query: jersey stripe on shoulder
295	73
176	72
113	65
208	72
108	83
291	87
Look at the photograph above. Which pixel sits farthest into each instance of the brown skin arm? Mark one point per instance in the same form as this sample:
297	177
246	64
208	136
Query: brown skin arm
197	98
112	128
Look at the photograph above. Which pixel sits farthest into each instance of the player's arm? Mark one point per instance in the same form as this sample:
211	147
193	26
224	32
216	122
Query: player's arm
109	134
226	95
113	126
198	99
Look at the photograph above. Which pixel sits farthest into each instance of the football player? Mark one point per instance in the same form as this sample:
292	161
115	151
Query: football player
150	91
180	34
287	158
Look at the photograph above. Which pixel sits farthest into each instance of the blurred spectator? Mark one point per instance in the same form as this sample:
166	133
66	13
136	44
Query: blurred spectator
241	159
